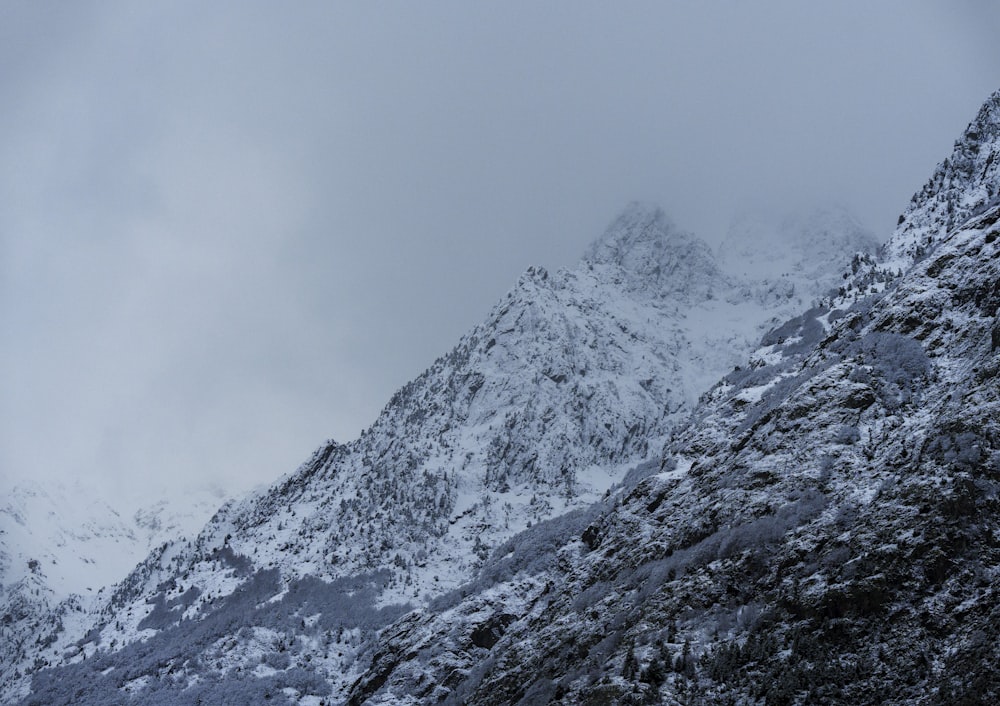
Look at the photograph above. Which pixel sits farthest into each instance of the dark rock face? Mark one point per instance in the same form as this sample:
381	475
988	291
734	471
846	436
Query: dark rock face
489	633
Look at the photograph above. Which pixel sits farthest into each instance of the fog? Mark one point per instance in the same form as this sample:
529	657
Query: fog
230	232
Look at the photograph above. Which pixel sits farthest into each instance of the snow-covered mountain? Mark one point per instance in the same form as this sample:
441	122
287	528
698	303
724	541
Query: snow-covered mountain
573	378
78	541
61	545
826	533
825	530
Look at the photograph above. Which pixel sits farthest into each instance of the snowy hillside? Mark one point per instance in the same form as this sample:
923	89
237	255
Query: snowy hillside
826	533
967	183
79	541
61	545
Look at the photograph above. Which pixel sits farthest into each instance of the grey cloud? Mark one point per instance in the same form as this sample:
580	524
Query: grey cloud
231	230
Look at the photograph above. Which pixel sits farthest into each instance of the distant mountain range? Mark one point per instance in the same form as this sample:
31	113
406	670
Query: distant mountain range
61	546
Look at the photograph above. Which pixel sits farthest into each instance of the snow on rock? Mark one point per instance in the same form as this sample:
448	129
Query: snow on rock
963	185
652	257
825	529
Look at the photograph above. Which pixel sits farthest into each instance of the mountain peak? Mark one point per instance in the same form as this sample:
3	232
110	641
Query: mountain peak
652	254
987	121
639	228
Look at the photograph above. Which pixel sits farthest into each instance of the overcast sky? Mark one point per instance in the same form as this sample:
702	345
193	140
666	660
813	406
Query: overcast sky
231	230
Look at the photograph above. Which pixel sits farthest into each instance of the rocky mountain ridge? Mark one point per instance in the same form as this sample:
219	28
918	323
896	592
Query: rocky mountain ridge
964	185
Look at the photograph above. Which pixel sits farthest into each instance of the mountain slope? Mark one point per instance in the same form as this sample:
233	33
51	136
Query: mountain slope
60	546
572	379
